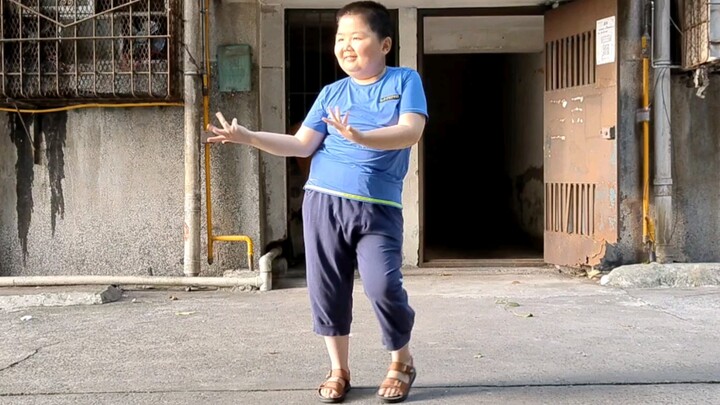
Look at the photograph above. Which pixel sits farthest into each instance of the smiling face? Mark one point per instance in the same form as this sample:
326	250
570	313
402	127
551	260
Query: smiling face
360	51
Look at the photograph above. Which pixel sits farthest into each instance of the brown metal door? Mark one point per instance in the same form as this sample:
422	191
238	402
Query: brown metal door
579	137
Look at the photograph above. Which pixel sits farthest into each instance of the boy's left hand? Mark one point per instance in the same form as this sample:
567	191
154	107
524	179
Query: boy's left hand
341	124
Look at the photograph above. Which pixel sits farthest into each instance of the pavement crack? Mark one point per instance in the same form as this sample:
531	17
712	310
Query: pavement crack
33	353
711	382
15	363
657	307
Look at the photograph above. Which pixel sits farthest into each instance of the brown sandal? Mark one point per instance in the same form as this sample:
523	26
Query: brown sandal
341	386
402	386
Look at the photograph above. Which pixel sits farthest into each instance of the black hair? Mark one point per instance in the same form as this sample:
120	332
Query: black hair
375	14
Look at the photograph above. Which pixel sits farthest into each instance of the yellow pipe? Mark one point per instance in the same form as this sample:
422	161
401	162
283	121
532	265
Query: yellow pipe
208	204
206	121
92	105
239	238
648	228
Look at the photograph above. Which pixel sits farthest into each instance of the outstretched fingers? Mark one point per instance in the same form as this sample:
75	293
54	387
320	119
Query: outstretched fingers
222	134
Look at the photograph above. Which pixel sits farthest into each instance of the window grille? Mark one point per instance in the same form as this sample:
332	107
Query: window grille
88	50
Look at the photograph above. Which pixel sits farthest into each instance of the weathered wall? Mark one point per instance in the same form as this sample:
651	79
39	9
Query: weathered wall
105	198
407	42
696	171
107	194
272	118
629	248
238	207
524	143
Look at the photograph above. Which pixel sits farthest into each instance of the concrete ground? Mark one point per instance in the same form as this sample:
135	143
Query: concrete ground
474	343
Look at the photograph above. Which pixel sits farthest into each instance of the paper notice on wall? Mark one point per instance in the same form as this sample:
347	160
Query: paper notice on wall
605	41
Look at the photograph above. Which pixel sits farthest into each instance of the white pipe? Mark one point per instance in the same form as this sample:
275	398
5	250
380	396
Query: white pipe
263	281
193	125
38	281
266	268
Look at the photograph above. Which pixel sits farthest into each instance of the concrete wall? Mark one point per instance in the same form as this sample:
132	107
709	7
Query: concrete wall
407	28
525	78
484	34
107	194
696	171
629	248
105	198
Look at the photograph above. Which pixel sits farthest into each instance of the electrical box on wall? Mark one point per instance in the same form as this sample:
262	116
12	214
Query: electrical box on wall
234	68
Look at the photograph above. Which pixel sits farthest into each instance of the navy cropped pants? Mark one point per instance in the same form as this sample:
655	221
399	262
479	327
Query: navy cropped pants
340	233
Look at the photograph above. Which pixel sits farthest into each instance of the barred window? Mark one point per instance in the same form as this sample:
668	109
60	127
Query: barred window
88	50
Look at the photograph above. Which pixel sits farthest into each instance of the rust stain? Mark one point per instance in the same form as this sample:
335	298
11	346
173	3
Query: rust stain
600	253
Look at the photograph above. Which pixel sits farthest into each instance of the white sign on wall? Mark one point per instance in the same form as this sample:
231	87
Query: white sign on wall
605	41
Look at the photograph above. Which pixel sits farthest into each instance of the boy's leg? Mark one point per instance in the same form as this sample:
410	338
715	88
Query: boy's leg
379	255
379	252
330	274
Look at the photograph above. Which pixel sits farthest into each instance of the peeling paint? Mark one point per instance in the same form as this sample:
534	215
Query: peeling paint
561	102
558	137
24	171
579	99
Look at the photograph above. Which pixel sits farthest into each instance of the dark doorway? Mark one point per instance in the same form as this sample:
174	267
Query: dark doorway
482	159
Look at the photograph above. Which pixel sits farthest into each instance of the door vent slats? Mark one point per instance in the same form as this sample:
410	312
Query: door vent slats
570	208
570	61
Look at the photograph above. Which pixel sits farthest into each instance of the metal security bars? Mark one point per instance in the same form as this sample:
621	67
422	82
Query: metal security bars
88	50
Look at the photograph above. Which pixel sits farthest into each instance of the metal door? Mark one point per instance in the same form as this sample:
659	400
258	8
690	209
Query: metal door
580	148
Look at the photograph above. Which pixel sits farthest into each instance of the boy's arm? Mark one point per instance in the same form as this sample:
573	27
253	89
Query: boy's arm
406	133
303	143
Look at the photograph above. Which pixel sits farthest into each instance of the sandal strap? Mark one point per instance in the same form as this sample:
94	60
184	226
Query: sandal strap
337	386
393	382
403	368
390	382
339	373
343	379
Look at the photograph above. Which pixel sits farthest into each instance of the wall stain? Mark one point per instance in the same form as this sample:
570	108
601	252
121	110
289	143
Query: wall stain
24	175
55	130
531	210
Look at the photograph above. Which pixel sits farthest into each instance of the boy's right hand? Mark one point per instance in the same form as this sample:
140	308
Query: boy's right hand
230	132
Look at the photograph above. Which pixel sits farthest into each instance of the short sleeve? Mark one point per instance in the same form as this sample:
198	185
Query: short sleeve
313	119
413	95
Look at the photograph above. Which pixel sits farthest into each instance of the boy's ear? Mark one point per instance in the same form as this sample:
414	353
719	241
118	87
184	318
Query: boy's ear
386	45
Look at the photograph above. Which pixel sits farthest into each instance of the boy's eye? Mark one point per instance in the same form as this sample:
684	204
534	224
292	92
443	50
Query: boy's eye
356	38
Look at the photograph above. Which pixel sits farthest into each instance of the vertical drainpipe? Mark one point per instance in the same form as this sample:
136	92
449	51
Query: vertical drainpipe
663	184
191	87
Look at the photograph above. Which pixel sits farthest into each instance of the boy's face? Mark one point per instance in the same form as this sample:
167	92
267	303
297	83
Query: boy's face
359	51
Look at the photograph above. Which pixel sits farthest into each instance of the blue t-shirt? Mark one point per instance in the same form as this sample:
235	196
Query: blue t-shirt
348	169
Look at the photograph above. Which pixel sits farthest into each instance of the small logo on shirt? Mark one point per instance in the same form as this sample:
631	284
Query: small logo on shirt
391	97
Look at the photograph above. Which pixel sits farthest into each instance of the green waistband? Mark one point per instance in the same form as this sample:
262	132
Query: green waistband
354	197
